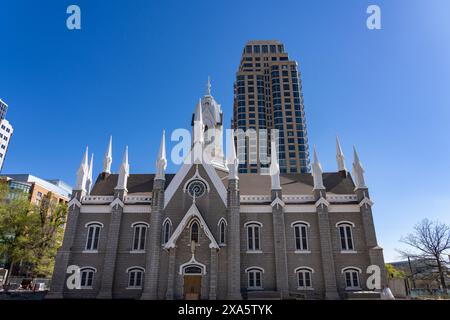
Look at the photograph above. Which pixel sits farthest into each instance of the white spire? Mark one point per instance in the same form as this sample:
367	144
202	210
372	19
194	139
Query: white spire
124	172
340	156
232	159
161	162
197	151
89	176
317	172
82	173
108	157
208	87
274	167
358	171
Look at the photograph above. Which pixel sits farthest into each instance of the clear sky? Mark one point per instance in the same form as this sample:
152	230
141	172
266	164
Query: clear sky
139	66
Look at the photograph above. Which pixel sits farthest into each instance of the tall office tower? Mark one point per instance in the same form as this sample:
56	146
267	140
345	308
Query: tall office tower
3	109
6	131
268	95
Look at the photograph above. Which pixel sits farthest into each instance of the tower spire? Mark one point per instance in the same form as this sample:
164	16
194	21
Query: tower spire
82	173
274	167
340	156
124	172
358	171
161	162
107	160
317	172
233	161
208	87
89	176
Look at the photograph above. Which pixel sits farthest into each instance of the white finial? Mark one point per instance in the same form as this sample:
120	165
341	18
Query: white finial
358	171
107	161
161	162
208	87
89	177
233	161
124	172
82	173
340	156
317	172
274	167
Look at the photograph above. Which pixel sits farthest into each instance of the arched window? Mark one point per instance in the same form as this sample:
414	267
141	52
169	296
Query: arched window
135	277
139	235
87	277
254	278
301	235
351	275
222	231
304	278
194	231
346	236
93	235
167	230
192	269
253	236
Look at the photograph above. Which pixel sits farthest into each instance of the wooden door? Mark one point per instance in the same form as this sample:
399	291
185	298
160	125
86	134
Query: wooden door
192	287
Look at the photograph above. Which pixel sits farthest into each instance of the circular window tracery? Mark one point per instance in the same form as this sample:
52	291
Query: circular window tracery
196	188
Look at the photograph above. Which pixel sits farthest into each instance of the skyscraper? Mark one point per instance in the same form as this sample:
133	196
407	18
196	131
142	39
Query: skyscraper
268	95
3	109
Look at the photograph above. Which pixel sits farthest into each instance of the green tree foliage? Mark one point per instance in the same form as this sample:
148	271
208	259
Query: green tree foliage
30	234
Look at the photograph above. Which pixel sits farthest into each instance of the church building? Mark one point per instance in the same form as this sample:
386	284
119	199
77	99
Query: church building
210	232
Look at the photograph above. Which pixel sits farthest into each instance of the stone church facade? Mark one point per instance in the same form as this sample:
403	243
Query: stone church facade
208	232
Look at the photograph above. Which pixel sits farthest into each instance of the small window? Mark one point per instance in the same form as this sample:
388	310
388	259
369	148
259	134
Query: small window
194	232
87	277
304	278
254	277
222	232
167	230
139	236
351	278
253	236
135	278
192	270
346	236
301	236
93	236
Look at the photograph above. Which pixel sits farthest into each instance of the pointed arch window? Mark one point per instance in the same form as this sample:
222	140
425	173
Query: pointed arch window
167	230
222	231
194	231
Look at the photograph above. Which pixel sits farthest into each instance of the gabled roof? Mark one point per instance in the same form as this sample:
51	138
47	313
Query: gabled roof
137	183
191	213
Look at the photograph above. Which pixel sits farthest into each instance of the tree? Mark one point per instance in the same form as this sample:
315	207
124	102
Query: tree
30	234
393	272
431	240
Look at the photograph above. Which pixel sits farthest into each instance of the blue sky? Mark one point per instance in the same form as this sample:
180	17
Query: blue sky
137	67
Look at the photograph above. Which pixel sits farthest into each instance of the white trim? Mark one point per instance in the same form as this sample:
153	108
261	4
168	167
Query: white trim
350	267
333	198
322	201
366	201
277	202
300	222
181	174
222	219
135	267
137	209
303	267
89	267
192	262
302	251
137	251
88	224
117	202
254	267
256	209
339	223
253	222
193	212
139	222
74	202
166	221
307	208
344	208
91	208
253	251
89	251
196	176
